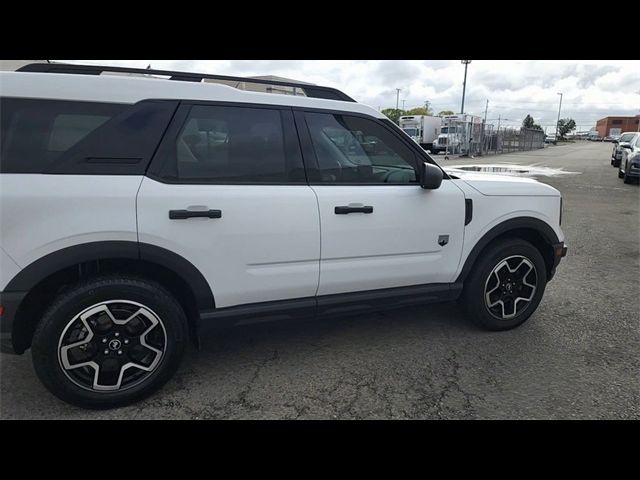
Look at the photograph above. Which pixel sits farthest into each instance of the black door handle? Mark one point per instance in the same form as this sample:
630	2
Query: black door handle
343	210
182	214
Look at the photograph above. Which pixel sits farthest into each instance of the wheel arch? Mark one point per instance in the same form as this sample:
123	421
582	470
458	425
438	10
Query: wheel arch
42	279
535	231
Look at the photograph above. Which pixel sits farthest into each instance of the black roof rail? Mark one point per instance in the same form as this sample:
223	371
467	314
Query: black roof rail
313	91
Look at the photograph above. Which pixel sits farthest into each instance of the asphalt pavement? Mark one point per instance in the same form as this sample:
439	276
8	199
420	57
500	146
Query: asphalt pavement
578	356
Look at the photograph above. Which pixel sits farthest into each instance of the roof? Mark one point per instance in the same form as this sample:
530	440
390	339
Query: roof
132	89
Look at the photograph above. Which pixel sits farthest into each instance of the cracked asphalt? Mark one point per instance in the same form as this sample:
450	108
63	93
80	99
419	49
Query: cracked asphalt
576	358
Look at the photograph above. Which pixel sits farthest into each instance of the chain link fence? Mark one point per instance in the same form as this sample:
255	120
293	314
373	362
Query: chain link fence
506	140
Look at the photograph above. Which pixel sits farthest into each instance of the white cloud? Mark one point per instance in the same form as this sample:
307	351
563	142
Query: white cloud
592	89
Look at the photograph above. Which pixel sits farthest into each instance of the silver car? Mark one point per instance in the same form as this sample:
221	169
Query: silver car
629	168
625	141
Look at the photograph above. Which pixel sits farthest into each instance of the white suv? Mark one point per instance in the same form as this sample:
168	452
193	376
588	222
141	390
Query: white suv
139	212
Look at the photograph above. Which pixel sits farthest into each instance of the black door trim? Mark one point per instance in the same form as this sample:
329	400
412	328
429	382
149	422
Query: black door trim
328	305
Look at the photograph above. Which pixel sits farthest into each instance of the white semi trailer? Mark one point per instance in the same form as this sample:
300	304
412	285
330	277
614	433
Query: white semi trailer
457	133
423	129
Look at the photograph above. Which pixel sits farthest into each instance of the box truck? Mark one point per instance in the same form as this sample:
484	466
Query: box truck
423	129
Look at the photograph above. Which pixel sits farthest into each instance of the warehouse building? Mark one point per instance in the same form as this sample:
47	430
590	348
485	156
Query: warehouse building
608	126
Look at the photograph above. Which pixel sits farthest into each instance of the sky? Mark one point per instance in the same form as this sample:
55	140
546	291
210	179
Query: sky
591	89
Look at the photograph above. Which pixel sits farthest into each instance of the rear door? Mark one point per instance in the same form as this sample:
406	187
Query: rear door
379	228
227	191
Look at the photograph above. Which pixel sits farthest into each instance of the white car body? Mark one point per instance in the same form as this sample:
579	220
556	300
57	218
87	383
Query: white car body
274	242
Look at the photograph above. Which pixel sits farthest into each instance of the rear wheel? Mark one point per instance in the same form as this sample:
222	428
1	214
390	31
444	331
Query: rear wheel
505	286
109	341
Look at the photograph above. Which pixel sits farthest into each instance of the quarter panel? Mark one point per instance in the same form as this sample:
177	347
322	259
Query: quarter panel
40	214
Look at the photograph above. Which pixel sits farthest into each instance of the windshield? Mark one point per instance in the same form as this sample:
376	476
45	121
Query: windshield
627	137
412	132
448	130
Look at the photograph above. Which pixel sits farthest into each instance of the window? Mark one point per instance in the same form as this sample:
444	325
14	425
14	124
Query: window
35	133
358	150
616	122
234	145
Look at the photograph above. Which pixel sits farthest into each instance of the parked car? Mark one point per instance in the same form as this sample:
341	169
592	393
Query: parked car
550	139
625	141
629	168
140	212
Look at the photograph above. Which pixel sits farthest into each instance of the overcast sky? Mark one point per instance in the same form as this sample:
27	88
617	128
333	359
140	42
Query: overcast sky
592	89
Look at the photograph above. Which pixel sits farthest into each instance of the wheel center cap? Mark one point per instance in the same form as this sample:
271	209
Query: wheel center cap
115	344
509	287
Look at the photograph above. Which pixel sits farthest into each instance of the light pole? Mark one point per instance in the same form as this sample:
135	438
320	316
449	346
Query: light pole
464	84
403	100
559	107
397	97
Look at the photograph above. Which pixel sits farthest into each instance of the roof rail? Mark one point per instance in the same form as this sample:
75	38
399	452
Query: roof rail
313	91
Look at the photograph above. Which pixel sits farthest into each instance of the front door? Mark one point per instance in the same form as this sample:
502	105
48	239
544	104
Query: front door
379	228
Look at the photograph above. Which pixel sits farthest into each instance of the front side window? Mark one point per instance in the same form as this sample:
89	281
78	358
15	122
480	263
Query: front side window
221	144
358	150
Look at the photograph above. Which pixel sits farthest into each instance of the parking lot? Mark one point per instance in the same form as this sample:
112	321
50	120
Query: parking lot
576	358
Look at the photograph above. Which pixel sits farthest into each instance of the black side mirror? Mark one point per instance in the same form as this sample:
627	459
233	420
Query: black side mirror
430	176
626	145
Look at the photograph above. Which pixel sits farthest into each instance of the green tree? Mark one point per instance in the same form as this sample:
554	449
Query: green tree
393	114
419	111
445	112
528	122
565	125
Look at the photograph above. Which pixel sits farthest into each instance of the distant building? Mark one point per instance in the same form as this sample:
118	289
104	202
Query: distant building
616	125
262	87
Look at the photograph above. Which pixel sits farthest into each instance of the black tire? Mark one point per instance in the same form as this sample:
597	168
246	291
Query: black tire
620	174
47	340
626	178
473	296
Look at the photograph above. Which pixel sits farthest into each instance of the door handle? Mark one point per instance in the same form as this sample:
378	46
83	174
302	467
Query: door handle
345	209
183	214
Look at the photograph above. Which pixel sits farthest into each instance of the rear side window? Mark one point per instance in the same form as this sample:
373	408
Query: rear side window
35	133
228	144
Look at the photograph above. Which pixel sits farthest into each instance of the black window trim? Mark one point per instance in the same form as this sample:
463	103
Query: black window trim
310	159
156	165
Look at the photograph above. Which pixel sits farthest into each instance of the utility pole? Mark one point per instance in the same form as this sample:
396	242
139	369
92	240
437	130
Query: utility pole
484	126
397	97
464	84
403	100
426	105
498	123
558	115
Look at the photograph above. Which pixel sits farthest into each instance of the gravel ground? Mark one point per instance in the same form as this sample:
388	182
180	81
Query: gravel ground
577	357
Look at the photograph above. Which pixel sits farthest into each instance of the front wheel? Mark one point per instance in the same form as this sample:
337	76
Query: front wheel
109	341
505	286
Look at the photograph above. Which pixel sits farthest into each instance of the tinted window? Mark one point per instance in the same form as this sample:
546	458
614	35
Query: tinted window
358	150
35	133
234	145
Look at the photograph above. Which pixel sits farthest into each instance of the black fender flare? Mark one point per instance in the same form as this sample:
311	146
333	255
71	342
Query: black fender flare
531	223
56	261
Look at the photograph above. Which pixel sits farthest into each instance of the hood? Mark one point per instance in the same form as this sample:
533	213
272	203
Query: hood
504	185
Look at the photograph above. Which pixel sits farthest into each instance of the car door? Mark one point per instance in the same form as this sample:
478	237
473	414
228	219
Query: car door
379	228
227	191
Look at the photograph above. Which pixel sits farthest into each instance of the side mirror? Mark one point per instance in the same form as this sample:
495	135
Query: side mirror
625	145
430	176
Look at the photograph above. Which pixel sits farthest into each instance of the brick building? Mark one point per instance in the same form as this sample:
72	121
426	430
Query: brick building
616	125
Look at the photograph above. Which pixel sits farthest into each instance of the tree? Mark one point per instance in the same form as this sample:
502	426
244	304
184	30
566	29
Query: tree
393	114
565	125
445	112
419	111
528	122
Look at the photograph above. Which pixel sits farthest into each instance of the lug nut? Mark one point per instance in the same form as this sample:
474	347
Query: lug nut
106	352
117	334
104	340
126	341
119	352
